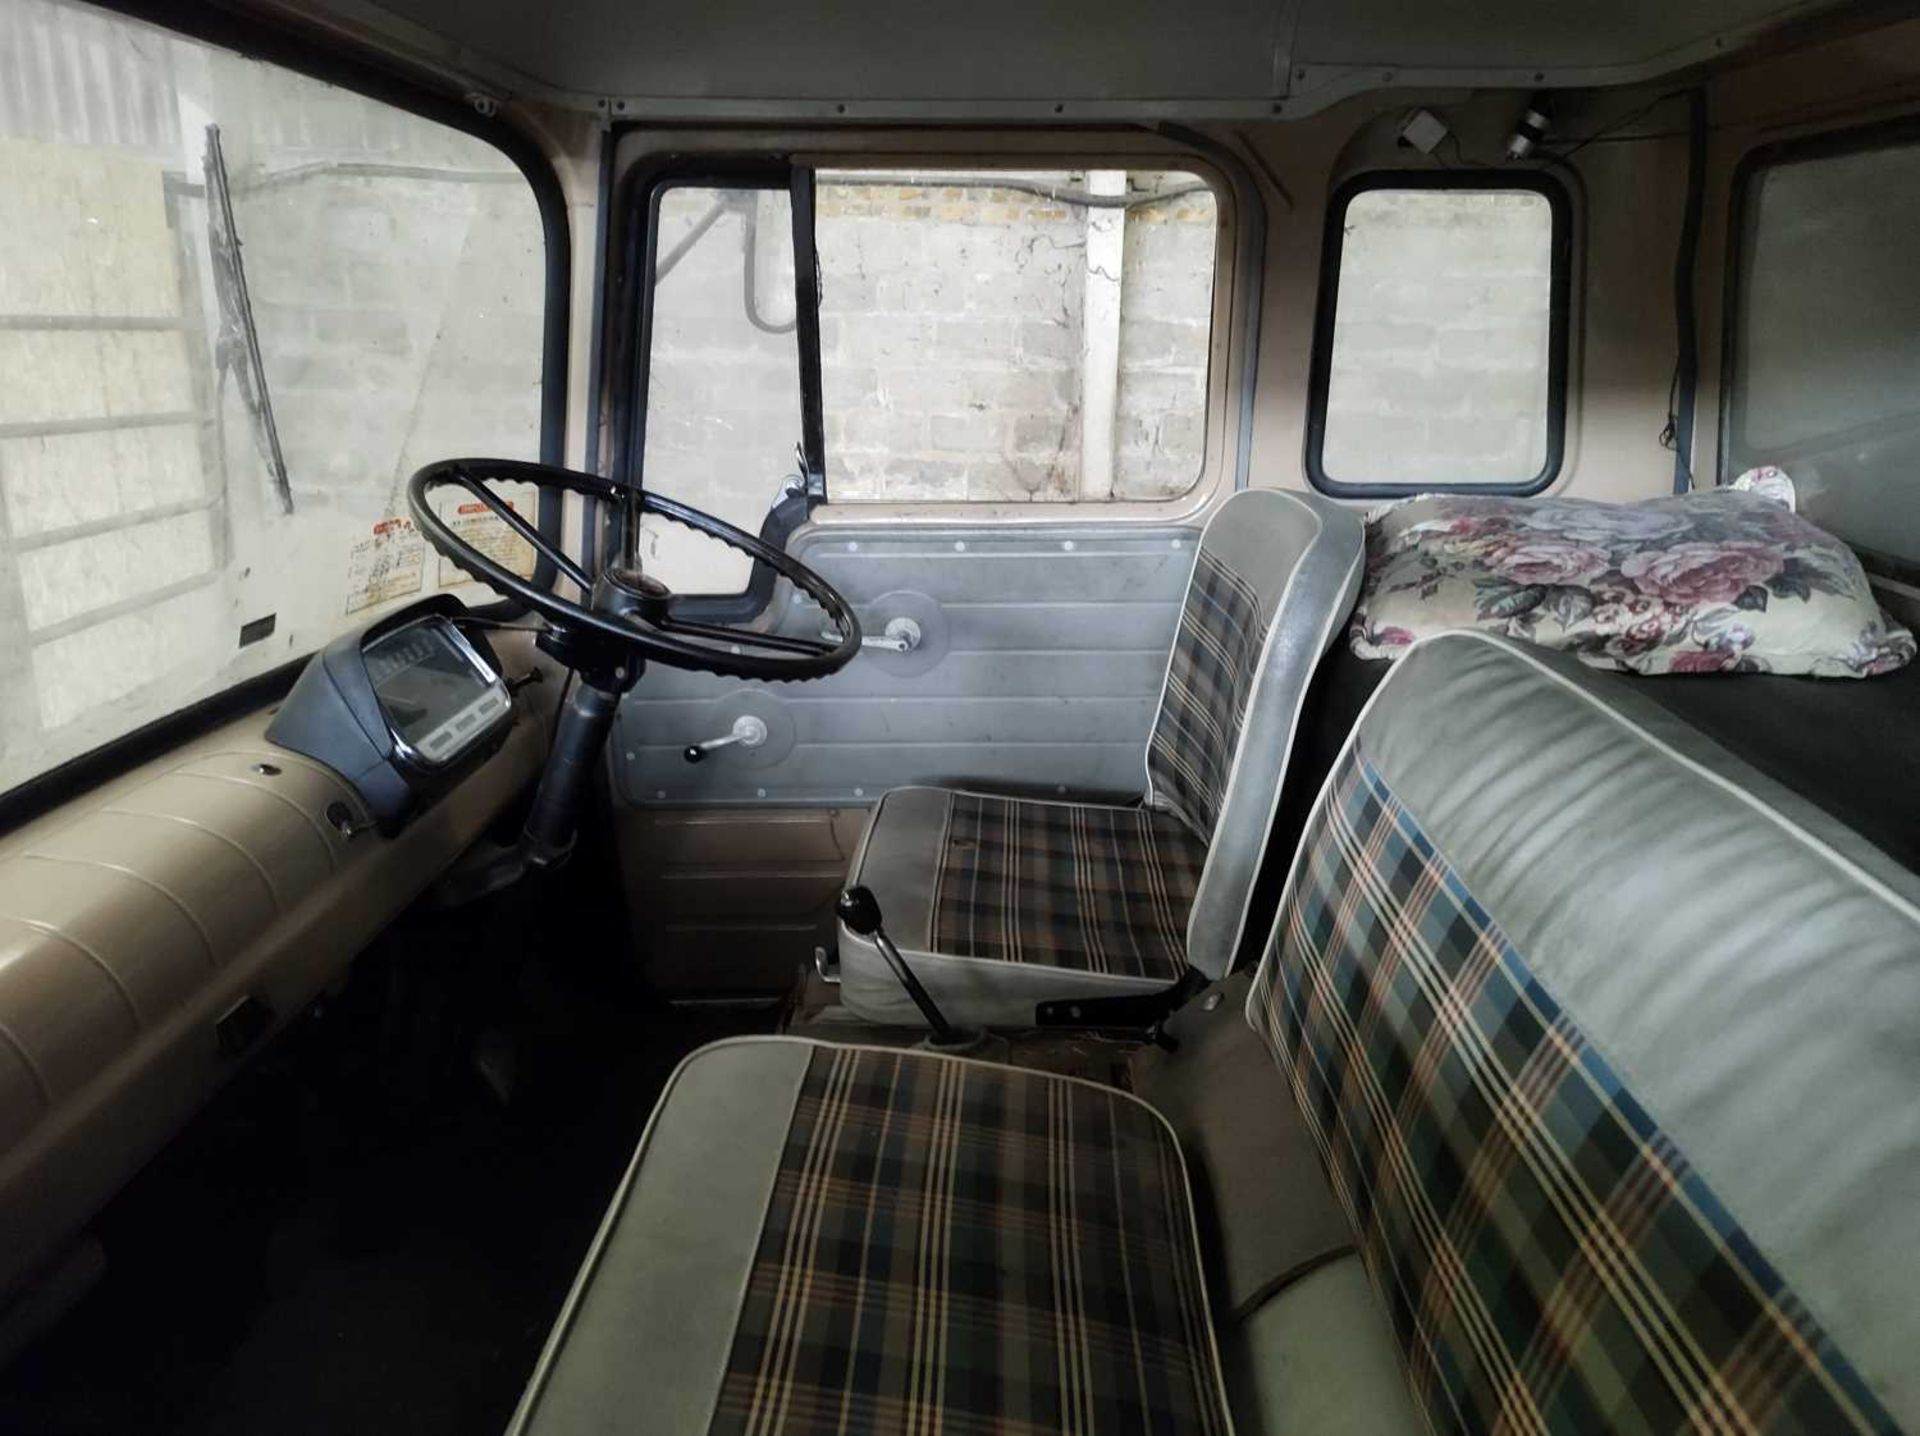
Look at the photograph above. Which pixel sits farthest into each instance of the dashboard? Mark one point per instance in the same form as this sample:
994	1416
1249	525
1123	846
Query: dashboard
215	890
400	709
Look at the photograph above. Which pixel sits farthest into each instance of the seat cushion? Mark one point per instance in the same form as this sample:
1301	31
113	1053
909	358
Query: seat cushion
1003	903
887	1241
1710	581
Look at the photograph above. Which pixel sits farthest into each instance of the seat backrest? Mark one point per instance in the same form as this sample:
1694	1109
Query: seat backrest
1274	579
1611	1049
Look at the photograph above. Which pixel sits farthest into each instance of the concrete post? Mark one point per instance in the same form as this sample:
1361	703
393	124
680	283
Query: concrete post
1100	334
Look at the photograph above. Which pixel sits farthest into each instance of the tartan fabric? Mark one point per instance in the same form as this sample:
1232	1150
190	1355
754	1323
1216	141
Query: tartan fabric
1069	885
1209	682
965	1249
1550	1260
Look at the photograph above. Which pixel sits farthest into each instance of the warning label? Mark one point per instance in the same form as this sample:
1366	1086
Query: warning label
388	563
487	532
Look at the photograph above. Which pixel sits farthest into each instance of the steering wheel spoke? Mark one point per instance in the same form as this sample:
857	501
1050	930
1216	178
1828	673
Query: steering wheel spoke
625	610
539	542
747	637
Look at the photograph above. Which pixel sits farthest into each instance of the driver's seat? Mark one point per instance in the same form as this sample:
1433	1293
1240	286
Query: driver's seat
1001	904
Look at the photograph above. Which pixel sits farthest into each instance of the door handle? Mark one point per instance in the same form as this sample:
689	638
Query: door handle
748	732
901	635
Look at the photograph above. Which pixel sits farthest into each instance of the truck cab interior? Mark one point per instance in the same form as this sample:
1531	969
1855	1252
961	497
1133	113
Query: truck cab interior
1017	718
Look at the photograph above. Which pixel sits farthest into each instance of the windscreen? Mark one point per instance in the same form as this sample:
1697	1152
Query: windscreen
238	308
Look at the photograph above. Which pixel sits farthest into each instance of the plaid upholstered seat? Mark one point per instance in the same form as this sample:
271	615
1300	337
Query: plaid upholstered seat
1607	1051
817	1240
1576	1009
1073	886
1001	904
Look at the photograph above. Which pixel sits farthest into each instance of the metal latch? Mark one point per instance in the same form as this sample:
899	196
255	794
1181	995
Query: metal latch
901	635
748	732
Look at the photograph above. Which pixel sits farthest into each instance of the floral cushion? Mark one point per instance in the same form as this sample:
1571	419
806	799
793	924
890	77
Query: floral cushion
1725	580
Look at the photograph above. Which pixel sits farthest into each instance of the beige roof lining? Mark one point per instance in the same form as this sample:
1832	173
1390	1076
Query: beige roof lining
1070	60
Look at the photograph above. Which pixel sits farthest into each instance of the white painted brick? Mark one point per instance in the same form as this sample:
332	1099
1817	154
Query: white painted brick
64	580
61	480
984	432
88	671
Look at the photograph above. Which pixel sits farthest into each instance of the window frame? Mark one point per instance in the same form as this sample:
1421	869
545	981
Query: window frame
1234	320
332	64
629	337
1898	132
1559	325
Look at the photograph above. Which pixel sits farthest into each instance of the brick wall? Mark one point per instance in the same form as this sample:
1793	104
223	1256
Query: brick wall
951	338
1165	331
952	334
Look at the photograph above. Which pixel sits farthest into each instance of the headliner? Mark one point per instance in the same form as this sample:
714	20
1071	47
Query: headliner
1054	59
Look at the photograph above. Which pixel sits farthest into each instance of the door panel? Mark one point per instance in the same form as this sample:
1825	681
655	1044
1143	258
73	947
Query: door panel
1041	655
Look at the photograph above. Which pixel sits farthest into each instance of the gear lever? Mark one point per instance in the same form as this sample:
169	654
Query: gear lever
860	911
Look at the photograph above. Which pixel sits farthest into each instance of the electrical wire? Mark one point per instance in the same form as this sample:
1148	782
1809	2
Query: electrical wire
1460	160
1542	154
1608	130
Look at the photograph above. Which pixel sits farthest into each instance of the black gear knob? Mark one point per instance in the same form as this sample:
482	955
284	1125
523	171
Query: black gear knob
859	910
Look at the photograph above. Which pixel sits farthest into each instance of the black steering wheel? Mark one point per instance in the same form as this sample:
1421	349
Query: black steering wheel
626	607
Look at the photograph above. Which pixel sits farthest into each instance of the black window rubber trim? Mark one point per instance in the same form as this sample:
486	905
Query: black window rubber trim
1320	373
1892	133
329	62
628	317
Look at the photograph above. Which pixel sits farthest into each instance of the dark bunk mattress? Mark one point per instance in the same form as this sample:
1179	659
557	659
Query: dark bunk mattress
1850	746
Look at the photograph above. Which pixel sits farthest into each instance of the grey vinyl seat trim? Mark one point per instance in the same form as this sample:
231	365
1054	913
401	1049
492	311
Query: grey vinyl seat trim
1671	737
653	1356
1318	1358
673	1351
1324	574
1259	805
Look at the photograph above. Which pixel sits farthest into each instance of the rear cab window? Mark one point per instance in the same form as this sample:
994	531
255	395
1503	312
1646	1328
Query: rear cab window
1441	337
236	313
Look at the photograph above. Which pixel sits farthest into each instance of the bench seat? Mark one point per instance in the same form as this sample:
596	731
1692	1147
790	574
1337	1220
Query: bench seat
1603	1042
815	1238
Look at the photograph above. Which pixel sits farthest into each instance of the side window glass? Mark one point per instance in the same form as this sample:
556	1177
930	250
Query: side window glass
1015	336
722	383
1825	362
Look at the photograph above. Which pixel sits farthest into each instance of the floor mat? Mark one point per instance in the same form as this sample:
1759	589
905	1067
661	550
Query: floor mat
359	1236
